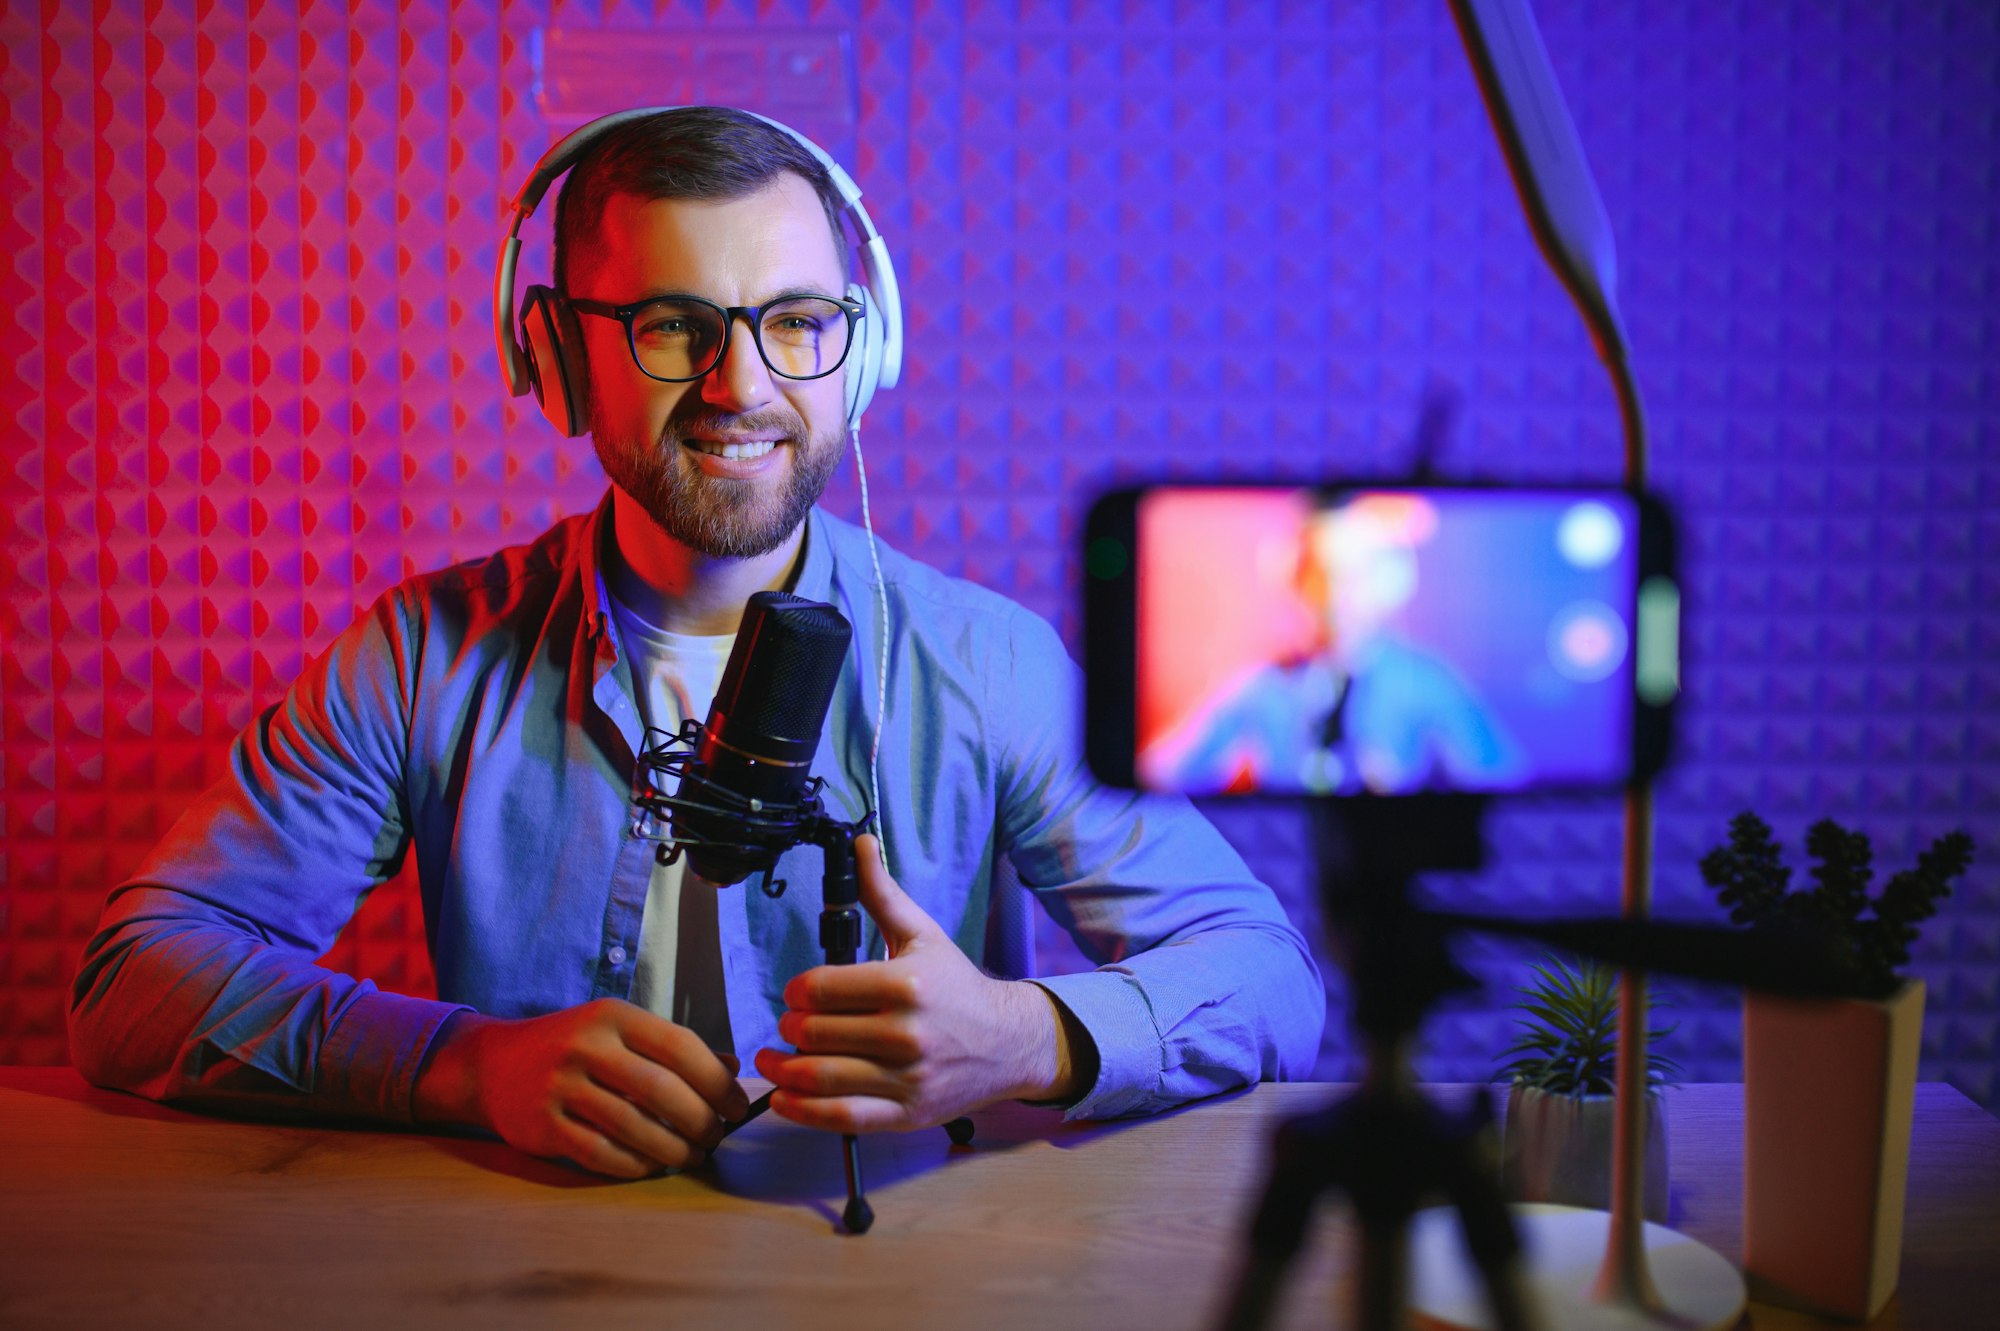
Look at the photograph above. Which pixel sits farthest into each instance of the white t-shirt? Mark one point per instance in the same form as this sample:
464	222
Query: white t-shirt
679	972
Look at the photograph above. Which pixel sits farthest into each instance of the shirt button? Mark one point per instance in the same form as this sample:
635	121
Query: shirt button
617	956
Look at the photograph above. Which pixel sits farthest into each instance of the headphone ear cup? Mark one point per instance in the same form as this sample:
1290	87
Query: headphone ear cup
555	358
866	370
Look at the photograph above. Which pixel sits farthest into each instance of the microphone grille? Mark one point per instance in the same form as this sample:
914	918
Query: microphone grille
796	648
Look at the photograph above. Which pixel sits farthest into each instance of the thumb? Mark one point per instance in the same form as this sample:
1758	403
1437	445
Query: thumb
901	920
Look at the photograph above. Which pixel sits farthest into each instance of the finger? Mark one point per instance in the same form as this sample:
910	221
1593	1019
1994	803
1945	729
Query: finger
842	1114
632	1129
830	1075
681	1051
901	920
659	1093
584	1143
867	986
884	1038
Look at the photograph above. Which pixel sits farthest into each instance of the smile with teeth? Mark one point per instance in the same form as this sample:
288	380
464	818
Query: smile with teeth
753	448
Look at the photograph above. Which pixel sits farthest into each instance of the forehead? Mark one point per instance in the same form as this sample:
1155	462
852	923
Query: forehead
733	251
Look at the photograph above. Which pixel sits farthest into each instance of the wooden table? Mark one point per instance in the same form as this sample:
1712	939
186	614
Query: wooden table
117	1212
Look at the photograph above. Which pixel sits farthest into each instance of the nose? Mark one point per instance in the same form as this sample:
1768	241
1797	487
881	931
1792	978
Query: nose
740	381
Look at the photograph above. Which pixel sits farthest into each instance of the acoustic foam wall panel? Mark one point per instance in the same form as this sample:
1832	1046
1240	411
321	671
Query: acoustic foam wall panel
245	349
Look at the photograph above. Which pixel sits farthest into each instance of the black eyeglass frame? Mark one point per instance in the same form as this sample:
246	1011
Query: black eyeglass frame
853	309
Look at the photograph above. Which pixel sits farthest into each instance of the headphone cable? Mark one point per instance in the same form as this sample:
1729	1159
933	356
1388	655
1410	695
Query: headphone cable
882	645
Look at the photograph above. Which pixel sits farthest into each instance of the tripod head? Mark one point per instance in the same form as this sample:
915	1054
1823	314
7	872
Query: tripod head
1371	848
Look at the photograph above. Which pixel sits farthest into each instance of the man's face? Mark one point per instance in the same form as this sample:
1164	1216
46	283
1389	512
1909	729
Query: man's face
1356	571
663	444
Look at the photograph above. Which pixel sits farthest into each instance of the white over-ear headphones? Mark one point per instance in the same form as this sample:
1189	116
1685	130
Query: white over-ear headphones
549	360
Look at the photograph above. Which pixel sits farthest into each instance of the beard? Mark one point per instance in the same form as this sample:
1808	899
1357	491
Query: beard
718	516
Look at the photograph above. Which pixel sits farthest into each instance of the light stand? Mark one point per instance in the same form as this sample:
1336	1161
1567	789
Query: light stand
1567	217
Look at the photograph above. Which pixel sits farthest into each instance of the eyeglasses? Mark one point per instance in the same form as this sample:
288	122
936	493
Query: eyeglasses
676	339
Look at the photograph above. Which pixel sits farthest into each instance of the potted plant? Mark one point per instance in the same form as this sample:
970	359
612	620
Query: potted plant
1828	1087
1557	1138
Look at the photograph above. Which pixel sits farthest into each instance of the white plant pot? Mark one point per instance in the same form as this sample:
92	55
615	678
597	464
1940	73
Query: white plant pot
1828	1090
1557	1148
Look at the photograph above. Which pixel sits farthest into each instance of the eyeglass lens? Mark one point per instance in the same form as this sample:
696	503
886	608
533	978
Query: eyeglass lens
802	337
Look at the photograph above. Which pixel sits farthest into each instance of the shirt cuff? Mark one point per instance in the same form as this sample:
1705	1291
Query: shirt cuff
370	1060
1111	1007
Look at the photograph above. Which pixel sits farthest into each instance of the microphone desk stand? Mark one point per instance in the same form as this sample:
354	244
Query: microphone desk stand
766	831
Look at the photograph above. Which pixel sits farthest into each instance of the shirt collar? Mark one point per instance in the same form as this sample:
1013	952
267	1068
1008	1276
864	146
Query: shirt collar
590	574
815	580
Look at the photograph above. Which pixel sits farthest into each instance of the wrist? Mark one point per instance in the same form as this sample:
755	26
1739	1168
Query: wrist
447	1089
1058	1048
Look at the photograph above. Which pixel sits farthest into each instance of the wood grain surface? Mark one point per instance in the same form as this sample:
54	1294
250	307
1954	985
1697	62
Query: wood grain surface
118	1212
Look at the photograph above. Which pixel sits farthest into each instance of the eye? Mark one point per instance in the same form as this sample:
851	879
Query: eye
662	325
672	322
803	319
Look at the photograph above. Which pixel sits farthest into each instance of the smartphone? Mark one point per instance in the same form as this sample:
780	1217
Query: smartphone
1378	639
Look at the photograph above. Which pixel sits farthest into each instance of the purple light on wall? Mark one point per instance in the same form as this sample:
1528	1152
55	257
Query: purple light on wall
245	348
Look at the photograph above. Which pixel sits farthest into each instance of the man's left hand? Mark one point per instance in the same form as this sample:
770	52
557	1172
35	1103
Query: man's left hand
915	1040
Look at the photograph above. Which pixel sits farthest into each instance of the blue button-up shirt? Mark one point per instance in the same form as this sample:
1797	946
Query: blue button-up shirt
481	719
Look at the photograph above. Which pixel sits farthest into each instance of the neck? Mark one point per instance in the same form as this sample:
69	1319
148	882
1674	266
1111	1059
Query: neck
682	590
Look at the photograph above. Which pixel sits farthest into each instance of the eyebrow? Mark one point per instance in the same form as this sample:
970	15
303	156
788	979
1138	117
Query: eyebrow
783	293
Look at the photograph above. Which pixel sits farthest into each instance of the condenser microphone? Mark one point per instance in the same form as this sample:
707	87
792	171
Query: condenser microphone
748	784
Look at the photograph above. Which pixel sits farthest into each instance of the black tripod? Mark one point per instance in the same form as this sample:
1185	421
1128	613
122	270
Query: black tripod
762	832
1385	1146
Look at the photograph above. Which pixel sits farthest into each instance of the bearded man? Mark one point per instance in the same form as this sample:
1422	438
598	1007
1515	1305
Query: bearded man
594	1005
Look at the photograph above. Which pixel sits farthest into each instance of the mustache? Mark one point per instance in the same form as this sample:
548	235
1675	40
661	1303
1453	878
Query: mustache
703	420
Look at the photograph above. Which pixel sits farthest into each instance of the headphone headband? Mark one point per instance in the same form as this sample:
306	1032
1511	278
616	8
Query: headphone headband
881	348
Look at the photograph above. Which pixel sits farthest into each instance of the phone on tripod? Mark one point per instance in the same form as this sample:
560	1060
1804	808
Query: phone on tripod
1378	639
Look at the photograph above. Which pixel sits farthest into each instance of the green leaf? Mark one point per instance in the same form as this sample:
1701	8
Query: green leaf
1568	1032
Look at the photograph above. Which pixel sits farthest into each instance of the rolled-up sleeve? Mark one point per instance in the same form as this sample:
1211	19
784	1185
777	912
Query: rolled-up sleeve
199	985
1202	984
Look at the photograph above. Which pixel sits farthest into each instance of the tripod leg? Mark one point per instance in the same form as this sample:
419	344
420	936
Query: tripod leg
1383	1295
1473	1185
859	1215
1495	1251
1279	1228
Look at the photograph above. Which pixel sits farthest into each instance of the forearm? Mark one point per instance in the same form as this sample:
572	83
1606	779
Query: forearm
1216	1010
194	1010
1204	985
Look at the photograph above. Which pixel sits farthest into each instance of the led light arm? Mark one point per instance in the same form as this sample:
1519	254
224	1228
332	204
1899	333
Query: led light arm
1558	193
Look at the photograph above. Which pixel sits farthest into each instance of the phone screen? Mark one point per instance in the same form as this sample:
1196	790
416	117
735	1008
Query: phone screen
1390	640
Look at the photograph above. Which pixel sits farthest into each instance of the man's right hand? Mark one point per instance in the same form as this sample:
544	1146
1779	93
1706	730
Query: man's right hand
609	1085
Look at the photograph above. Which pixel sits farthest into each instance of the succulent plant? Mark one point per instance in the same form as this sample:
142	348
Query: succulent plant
1874	934
1569	1035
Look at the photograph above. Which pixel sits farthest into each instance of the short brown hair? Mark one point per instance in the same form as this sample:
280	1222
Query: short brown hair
690	152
